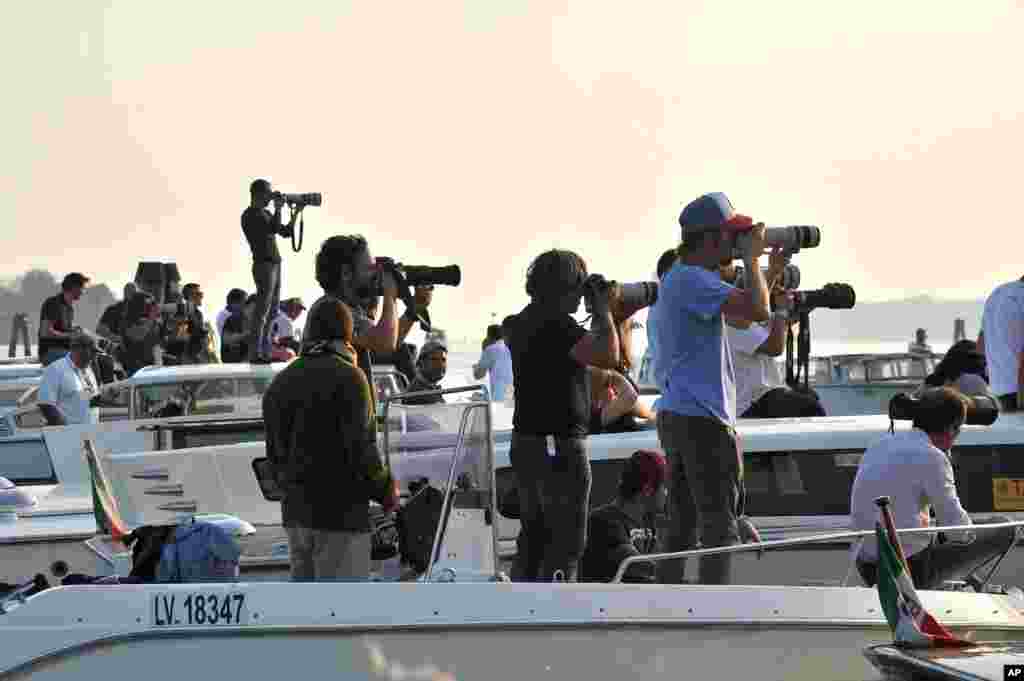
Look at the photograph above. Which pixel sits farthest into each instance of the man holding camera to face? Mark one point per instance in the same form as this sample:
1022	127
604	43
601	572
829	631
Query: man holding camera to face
347	271
550	356
697	411
261	228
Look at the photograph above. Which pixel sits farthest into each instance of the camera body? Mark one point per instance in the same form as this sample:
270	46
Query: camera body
789	280
790	239
300	200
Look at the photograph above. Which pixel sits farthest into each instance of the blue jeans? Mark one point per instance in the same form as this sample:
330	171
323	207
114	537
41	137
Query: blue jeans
705	482
554	500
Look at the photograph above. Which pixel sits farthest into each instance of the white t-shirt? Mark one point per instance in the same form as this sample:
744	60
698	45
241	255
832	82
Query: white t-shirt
756	374
497	360
69	389
1003	326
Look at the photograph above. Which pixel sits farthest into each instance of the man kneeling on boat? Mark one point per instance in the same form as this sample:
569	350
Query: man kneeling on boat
626	526
913	468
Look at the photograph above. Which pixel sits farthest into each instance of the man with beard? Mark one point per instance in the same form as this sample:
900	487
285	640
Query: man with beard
431	366
346	271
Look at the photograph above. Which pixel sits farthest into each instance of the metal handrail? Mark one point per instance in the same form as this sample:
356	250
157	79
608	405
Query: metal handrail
799	541
402	396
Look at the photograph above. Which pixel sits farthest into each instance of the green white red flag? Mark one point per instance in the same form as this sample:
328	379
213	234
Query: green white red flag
911	624
104	505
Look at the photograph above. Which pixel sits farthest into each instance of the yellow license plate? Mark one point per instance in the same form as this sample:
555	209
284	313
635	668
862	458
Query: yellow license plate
1008	494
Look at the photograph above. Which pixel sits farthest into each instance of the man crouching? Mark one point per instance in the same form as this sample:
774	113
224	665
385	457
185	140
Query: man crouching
322	442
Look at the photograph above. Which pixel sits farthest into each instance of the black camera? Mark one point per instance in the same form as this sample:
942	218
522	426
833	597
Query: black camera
300	200
789	280
417	275
829	296
981	410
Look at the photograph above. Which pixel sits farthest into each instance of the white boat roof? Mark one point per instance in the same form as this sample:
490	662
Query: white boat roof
196	372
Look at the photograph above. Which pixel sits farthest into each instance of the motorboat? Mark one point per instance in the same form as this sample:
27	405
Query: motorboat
854	384
460	616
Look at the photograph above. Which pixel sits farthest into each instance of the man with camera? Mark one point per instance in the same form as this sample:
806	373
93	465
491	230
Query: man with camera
761	392
321	435
1002	342
112	319
68	389
697	410
57	318
913	469
347	271
550	356
261	228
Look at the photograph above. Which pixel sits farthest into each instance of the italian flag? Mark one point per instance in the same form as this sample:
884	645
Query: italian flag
104	505
911	624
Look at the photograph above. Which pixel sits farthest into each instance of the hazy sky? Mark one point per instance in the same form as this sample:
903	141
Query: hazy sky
482	133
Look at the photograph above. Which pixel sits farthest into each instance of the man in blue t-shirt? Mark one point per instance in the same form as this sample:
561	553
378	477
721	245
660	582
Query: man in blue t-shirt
697	409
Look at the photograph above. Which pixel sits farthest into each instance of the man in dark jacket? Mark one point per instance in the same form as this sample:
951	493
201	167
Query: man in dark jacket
626	527
322	443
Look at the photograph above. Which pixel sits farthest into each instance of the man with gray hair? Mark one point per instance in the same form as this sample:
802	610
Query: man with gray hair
68	390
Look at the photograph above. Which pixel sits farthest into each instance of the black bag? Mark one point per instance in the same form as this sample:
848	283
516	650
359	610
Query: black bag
147	544
417	524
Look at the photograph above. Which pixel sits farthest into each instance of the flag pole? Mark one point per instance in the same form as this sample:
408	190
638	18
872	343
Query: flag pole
890	529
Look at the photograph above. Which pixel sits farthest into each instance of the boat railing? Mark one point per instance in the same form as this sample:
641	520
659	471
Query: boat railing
798	541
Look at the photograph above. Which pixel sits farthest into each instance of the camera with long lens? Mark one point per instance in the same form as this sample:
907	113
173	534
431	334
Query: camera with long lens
789	279
981	410
790	239
829	296
300	200
624	298
407	276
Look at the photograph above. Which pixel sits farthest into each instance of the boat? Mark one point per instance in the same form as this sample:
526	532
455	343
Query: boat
993	661
462	617
853	384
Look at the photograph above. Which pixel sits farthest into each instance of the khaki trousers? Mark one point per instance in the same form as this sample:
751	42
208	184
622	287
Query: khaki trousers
328	555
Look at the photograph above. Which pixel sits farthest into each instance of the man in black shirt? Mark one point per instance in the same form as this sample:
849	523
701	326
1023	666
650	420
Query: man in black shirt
431	366
261	228
550	353
57	318
110	324
235	338
626	526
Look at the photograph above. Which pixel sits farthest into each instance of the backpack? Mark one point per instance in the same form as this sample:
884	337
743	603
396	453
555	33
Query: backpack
199	552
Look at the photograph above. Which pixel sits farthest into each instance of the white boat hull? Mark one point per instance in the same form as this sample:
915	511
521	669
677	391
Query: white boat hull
476	631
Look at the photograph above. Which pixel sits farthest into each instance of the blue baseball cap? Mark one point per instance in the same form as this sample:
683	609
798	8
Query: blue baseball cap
712	211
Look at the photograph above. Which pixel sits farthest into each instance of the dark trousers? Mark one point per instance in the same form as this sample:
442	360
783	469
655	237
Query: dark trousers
952	560
19	327
267	276
554	500
784	402
705	481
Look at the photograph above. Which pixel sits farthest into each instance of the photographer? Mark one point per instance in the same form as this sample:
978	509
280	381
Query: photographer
110	324
346	271
914	470
697	411
143	333
261	228
187	337
761	392
550	356
649	365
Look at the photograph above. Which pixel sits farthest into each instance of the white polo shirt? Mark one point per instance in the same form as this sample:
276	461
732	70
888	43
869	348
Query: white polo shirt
1003	326
756	374
68	388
